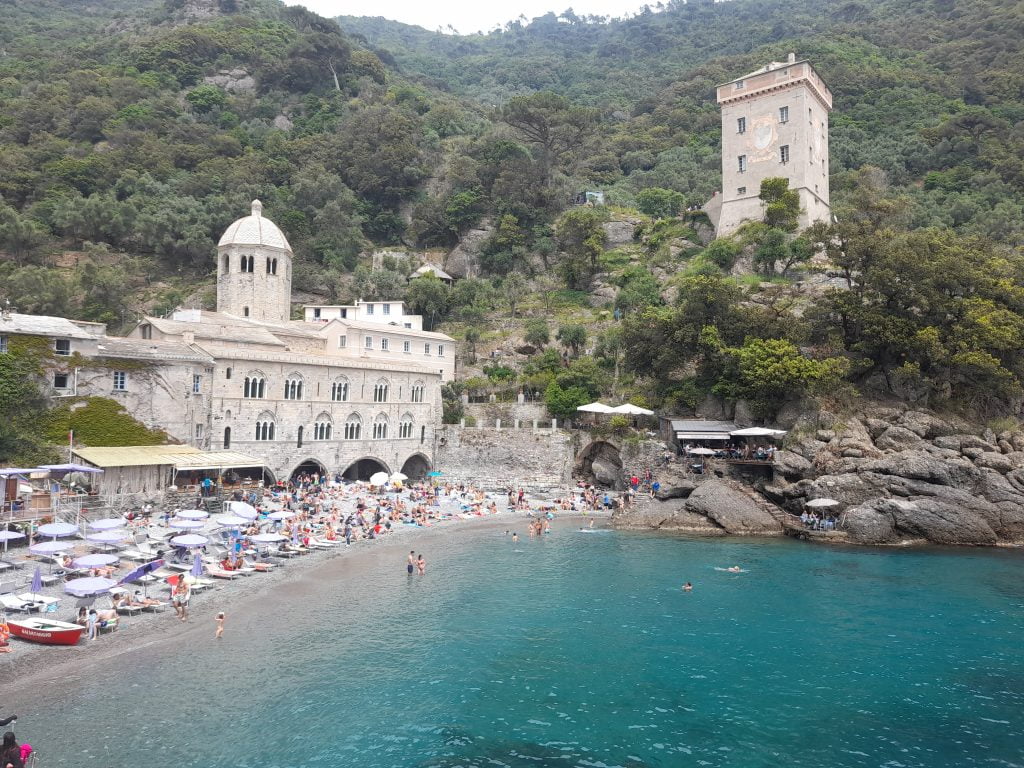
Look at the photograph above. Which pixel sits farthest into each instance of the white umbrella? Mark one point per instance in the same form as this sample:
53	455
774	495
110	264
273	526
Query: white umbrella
268	537
6	536
193	514
57	529
231	521
91	585
281	514
631	410
106	523
397	477
186	525
379	478
107	537
758	432
94	561
189	540
595	407
241	509
49	547
822	503
702	451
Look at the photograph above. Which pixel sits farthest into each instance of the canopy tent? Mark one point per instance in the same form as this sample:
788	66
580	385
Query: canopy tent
631	410
817	503
702	430
758	432
595	407
701	452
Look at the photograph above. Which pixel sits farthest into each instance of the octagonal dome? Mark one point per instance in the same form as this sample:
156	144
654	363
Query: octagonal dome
255	230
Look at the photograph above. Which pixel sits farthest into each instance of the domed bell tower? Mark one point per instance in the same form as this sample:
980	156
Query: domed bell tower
254	269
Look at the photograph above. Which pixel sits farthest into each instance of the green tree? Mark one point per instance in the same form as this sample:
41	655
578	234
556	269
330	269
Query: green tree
582	240
562	403
772	249
660	203
472	338
782	204
537	333
428	296
573	337
206	98
556	127
513	287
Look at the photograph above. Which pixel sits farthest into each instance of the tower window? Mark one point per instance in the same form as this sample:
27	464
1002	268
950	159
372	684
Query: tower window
783	114
197	383
268	265
245	311
226	261
784	154
741	125
273	266
227	373
298	441
380	392
741	190
293	388
227	437
741	163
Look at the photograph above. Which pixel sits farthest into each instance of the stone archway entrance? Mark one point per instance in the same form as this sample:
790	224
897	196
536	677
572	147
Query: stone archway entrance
600	463
364	468
309	467
416	467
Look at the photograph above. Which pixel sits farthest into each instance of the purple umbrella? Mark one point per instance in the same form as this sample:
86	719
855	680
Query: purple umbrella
95	561
189	540
6	536
106	524
197	566
193	514
57	529
48	547
108	537
186	524
37	581
137	573
93	585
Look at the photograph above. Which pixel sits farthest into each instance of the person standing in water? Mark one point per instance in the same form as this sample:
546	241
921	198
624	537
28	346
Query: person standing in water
515	537
219	634
412	562
421	564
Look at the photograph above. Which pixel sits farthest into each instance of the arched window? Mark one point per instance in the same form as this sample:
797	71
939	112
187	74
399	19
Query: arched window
418	388
227	438
226	261
293	387
405	426
353	427
227	373
255	386
298	442
322	427
251	264
380	391
340	390
265	426
273	266
268	265
380	427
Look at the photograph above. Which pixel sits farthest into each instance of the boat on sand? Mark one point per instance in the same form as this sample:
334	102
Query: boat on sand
47	631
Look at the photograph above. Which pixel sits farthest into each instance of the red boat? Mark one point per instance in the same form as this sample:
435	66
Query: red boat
46	631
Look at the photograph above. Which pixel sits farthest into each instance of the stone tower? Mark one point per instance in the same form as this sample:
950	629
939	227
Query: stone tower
254	269
774	124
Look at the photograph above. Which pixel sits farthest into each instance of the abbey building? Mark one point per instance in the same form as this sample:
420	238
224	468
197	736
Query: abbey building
349	389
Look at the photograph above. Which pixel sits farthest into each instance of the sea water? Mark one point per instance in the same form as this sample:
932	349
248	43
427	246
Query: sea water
577	649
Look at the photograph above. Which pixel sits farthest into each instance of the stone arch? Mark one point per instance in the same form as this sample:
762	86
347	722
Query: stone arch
308	467
416	467
600	463
364	468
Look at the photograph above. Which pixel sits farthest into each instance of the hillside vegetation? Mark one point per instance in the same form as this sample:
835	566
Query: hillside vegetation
133	133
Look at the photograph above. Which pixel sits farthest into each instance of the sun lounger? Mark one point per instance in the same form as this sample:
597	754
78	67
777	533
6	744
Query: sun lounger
43	600
13	603
220	573
155	607
107	625
130	610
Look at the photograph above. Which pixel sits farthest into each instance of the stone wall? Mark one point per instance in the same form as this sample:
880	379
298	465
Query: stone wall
496	459
487	414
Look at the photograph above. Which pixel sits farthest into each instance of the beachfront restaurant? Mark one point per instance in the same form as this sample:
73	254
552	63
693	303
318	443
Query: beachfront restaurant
153	468
697	433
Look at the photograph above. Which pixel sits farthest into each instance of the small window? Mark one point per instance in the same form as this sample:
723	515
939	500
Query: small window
739	84
783	114
385	344
784	154
120	381
741	163
426	349
199	431
810	115
369	342
741	190
245	311
369	309
227	437
62	346
440	350
60	381
408	325
146	331
3	345
385	309
407	347
741	125
342	341
197	383
298	441
316	313
227	373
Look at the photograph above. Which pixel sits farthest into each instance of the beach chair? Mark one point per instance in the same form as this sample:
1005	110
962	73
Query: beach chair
143	550
14	603
220	573
107	625
44	601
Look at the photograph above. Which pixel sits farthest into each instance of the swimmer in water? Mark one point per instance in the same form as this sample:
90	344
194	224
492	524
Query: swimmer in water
515	537
735	569
687	587
591	522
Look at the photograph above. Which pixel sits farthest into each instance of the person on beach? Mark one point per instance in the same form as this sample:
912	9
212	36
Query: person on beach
412	562
421	564
10	752
180	596
219	634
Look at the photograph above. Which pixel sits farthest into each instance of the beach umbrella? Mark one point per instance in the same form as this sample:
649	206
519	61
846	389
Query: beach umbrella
241	509
197	566
434	473
193	514
702	451
268	538
631	410
186	525
397	477
94	561
595	407
6	536
57	529
230	521
758	432
822	503
379	478
189	540
48	547
37	581
281	514
92	585
139	572
106	524
107	537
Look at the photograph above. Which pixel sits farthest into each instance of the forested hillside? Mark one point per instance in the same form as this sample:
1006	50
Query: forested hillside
132	132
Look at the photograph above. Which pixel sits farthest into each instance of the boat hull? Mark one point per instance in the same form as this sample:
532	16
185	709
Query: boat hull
46	632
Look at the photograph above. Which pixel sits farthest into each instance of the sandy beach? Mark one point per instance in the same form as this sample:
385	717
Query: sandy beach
247	599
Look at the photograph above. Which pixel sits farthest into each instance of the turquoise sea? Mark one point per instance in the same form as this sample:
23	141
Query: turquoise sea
576	650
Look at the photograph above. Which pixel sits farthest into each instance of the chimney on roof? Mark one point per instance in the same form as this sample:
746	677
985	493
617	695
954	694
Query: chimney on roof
791	58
